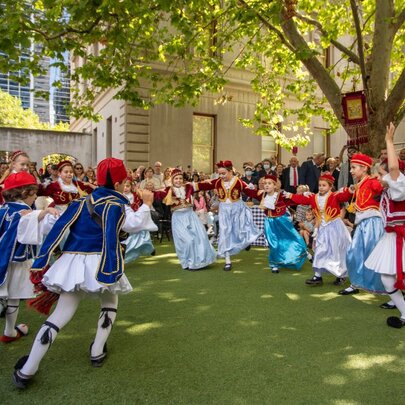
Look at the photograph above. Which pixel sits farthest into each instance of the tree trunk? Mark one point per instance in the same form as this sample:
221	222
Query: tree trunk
376	135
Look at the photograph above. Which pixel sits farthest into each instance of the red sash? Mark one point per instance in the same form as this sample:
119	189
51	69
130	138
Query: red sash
400	236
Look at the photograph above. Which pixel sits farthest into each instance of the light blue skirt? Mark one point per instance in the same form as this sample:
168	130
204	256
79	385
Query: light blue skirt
287	246
191	241
331	246
367	234
237	229
138	244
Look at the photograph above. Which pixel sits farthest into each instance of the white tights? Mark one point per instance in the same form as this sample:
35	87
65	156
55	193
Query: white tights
395	294
11	317
65	309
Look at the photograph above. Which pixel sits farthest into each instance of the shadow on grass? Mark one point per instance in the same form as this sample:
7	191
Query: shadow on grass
215	337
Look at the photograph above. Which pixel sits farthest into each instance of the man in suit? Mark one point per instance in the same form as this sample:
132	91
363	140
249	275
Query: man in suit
310	172
291	176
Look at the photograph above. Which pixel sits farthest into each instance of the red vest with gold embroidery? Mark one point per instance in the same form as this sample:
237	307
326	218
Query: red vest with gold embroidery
234	193
367	194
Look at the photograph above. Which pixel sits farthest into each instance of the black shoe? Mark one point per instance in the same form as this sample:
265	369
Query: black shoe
20	380
349	291
275	270
387	305
97	361
339	281
395	322
153	253
248	248
228	267
314	281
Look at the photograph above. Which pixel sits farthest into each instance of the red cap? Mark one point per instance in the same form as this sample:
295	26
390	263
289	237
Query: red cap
271	177
326	176
226	164
117	170
176	172
17	153
15	180
361	159
64	163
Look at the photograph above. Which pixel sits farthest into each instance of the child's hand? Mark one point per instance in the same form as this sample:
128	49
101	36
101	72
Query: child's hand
389	135
147	197
24	212
52	211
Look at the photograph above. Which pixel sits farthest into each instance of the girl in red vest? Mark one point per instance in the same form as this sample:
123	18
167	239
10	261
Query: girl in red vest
333	239
369	229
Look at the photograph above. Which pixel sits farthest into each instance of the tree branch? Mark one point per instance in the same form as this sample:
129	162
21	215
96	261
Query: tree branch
270	26
69	30
400	19
396	98
328	86
354	58
360	44
399	115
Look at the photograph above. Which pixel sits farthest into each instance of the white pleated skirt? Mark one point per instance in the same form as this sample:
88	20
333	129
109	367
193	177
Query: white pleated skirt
383	259
77	272
17	284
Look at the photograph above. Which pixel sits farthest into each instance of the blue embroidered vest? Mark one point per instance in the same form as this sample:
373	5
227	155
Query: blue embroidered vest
87	237
11	250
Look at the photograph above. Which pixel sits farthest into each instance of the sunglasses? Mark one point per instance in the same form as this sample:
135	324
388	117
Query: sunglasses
79	167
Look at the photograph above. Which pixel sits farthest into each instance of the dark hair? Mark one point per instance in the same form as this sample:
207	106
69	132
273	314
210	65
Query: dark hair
108	181
19	193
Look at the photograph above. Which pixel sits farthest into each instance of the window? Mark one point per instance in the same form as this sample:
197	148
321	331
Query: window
109	137
203	142
269	146
321	140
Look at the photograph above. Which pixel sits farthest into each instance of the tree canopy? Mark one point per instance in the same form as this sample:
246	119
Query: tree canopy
185	48
12	114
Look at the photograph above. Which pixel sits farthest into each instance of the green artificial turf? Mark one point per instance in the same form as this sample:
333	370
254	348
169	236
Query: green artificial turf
212	337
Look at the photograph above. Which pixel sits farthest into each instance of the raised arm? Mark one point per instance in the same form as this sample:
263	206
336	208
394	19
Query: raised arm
393	165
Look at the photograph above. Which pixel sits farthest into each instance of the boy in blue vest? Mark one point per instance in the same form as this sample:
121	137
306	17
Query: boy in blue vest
91	262
20	230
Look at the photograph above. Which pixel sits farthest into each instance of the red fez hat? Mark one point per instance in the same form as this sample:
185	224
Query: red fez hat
271	177
64	163
226	164
176	172
117	170
20	179
17	153
326	176
361	159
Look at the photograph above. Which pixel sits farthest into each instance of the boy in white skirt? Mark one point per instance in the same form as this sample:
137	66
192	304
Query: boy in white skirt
91	262
20	229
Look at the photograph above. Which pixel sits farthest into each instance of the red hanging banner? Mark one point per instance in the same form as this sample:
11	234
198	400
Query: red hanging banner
355	115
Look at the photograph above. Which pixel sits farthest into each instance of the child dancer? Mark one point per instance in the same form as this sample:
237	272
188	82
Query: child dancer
190	238
95	225
19	162
332	239
369	230
237	229
287	247
388	257
19	230
65	189
137	244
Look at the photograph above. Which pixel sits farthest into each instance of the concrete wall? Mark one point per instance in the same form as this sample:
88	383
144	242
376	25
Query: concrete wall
38	143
